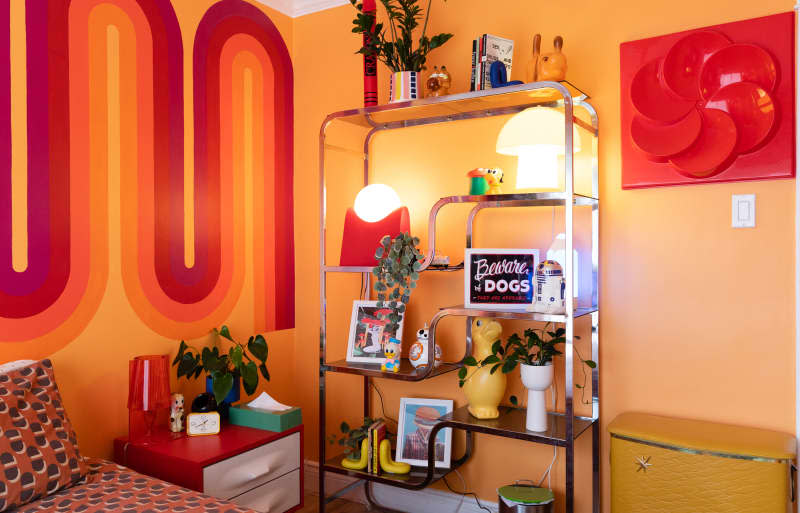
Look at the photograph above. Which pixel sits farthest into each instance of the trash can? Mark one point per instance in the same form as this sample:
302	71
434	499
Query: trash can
525	498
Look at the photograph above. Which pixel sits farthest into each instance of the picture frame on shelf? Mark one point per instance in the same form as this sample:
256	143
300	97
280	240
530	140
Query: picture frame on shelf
499	279
415	422
368	332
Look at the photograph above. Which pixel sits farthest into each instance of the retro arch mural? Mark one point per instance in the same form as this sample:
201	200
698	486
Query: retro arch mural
104	82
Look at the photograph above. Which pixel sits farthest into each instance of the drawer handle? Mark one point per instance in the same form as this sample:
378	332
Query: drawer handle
643	462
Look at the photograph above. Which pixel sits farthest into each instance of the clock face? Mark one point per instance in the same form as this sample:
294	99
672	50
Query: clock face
203	423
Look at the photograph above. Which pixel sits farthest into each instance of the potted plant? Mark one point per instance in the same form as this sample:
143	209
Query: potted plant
351	441
534	355
242	363
399	264
395	46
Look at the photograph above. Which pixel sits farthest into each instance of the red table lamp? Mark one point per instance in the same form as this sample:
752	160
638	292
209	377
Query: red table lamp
148	397
377	212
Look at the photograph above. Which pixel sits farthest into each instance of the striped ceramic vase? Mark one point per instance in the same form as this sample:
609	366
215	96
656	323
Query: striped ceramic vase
404	86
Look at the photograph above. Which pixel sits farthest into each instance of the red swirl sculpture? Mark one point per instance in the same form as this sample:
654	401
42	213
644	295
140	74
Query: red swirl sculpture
707	105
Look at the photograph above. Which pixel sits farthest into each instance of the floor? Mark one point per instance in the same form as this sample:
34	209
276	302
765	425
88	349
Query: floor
338	506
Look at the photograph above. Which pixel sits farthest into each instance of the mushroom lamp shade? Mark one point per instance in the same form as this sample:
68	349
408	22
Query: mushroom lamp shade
536	137
377	212
148	397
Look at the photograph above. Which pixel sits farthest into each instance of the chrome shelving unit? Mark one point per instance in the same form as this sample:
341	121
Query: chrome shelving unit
564	427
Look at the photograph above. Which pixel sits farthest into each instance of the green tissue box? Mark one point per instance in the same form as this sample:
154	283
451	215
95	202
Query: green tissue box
278	421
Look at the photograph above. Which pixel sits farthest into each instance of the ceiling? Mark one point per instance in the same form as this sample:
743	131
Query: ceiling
295	8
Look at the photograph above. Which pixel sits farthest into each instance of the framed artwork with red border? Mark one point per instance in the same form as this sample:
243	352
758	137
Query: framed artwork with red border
714	104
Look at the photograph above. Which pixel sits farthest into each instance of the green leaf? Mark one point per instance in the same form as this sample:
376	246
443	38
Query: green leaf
264	371
186	365
222	384
379	253
590	363
225	332
181	349
490	360
471	361
495	367
344	427
235	355
509	366
258	348
250	377
513	400
462	373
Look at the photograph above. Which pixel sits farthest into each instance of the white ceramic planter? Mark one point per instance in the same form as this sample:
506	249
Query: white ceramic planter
537	379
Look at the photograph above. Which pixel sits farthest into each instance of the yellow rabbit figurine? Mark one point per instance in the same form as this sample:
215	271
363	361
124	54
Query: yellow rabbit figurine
483	389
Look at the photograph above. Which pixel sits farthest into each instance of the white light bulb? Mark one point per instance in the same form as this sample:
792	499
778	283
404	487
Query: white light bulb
537	167
376	201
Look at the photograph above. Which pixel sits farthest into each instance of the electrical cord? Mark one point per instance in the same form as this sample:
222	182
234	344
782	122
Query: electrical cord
383	408
465	493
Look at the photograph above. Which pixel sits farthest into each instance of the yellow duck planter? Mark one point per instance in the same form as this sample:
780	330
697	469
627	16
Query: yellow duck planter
483	389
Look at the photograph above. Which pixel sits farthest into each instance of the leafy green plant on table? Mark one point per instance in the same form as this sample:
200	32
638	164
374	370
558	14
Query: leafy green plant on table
395	46
538	348
244	361
396	275
351	437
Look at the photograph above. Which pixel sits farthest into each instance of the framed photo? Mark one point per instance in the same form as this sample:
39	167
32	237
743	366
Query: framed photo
499	279
417	418
368	332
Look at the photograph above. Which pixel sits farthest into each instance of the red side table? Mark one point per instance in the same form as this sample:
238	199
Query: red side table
254	468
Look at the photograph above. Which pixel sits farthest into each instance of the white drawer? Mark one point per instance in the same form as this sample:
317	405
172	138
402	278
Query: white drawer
245	471
276	496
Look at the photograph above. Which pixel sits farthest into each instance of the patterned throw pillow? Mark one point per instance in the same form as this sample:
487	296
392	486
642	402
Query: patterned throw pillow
38	449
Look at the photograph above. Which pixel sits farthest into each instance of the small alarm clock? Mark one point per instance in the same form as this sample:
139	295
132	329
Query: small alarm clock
207	423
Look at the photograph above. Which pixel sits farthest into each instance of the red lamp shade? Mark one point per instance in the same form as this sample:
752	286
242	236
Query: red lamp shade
361	238
148	396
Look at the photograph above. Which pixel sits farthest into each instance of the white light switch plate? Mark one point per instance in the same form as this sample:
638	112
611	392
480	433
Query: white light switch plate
743	211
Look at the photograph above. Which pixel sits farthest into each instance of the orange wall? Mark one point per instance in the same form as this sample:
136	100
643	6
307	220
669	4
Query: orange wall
92	368
685	328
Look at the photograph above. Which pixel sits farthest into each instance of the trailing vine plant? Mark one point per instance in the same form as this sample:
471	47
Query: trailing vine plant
396	275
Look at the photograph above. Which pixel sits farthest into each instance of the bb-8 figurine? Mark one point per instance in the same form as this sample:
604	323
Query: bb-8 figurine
418	354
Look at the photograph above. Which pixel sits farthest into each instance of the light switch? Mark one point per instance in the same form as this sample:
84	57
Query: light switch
743	211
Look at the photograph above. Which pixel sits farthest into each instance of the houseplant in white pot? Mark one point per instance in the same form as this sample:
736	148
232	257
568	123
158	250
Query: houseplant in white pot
534	355
393	42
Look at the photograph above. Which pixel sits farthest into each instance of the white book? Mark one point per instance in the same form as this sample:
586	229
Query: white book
496	49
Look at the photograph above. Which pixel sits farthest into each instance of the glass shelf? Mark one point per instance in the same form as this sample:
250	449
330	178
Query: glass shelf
416	479
407	371
461	310
462	106
511	424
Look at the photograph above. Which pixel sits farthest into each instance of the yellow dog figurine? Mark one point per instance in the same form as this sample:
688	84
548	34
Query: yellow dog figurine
392	353
494	177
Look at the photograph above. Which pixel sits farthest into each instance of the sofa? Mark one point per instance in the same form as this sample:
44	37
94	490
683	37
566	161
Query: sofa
43	469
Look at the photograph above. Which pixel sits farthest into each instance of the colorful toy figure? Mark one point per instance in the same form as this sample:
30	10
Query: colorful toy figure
494	177
418	354
392	353
176	415
477	182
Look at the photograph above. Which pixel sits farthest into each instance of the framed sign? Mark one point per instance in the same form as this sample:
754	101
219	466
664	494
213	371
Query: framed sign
369	333
499	279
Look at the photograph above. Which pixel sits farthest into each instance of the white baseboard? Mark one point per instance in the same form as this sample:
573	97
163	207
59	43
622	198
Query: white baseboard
411	501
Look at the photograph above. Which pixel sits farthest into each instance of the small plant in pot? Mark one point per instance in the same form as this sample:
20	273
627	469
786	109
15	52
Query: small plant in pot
351	441
242	362
534	354
393	43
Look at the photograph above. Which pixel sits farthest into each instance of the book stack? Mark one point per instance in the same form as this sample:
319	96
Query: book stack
485	50
375	435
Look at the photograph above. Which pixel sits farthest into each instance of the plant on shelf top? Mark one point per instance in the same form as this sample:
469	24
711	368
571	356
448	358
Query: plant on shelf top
399	263
351	437
396	48
538	348
244	361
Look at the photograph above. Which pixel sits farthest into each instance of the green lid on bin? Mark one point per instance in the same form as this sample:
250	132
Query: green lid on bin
526	494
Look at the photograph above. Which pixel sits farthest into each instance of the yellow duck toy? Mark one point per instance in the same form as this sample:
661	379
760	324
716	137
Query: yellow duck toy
483	389
392	353
494	177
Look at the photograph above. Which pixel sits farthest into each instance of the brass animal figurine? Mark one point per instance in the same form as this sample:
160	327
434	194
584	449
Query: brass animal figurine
530	72
553	65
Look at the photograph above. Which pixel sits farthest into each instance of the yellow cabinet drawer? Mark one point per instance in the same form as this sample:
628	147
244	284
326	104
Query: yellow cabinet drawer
245	471
658	472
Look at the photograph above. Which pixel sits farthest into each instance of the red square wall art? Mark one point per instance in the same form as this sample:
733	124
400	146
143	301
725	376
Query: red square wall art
714	104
